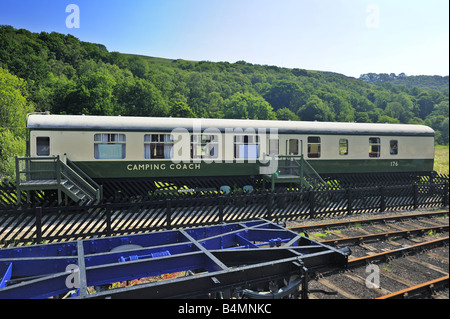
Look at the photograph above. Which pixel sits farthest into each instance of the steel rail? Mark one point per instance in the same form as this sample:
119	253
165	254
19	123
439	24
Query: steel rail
395	252
417	289
402	233
364	221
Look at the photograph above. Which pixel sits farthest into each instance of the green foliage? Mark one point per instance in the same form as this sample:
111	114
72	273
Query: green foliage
13	102
286	94
11	146
434	82
315	110
181	109
285	114
14	106
248	106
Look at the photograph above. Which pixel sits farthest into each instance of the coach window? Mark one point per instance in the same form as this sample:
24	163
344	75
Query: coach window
374	147
293	146
393	147
246	146
204	146
313	147
274	146
109	146
343	146
42	146
158	146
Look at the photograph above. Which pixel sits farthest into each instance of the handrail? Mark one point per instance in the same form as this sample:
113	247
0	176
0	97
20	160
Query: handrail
316	175
83	174
58	171
77	180
299	166
85	177
29	170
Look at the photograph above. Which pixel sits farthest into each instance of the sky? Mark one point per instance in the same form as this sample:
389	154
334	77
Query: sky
351	37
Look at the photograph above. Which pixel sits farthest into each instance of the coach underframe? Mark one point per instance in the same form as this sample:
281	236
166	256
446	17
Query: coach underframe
222	261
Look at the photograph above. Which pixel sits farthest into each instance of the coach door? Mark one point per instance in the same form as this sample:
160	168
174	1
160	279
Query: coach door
294	146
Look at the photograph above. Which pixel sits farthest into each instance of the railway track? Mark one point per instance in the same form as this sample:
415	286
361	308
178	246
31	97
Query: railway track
396	256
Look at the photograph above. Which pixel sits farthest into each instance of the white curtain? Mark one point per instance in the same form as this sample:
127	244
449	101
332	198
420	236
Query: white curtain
168	146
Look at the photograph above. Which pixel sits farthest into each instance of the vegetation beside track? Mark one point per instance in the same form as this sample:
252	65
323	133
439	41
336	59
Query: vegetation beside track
441	163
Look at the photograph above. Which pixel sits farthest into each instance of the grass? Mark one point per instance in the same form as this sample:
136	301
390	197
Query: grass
319	235
441	161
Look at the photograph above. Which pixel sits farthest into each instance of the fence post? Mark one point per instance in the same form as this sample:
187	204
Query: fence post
108	213
312	204
169	213
446	194
38	214
57	166
415	196
349	201
19	192
382	199
269	205
220	209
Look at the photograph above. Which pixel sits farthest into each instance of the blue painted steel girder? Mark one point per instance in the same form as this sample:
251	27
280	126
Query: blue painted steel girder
213	249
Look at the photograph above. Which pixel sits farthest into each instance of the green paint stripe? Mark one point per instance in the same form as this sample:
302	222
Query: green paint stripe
142	169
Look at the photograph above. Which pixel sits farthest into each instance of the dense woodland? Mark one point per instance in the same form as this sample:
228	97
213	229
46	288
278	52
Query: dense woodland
61	74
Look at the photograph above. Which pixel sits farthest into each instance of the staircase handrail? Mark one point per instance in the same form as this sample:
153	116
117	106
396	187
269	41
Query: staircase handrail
59	171
315	174
302	167
98	188
78	181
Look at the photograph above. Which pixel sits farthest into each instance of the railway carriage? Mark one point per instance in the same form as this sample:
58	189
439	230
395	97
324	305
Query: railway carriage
122	152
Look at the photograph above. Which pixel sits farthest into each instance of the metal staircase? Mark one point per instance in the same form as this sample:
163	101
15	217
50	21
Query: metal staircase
41	173
294	170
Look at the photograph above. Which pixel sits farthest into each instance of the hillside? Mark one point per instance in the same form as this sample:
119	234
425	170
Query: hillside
61	74
432	82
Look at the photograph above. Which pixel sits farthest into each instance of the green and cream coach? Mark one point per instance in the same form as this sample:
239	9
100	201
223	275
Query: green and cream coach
127	148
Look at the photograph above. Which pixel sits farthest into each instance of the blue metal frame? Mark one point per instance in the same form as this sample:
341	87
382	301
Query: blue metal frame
223	257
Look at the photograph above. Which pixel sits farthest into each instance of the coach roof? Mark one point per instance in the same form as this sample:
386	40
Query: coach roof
160	124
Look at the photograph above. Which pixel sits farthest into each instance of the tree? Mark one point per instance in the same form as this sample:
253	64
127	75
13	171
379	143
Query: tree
198	85
339	106
214	105
14	105
181	109
315	110
248	106
441	109
388	119
92	95
382	98
426	105
139	97
362	117
398	111
138	66
10	147
13	110
285	114
440	124
285	94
